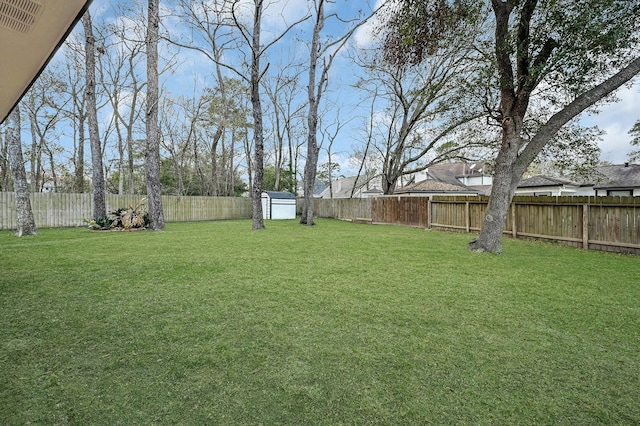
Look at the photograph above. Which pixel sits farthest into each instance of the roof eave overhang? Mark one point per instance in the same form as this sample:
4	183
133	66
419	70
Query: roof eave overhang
45	34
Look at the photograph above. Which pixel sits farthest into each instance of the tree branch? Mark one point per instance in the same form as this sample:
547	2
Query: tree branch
573	109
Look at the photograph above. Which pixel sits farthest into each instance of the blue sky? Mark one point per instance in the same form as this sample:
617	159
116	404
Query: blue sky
193	70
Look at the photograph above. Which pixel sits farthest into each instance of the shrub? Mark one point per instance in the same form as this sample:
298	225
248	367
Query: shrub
132	217
100	223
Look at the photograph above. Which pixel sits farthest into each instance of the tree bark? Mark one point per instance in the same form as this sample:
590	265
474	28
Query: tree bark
79	165
4	163
311	164
258	137
78	115
99	204
505	181
26	224
213	180
152	153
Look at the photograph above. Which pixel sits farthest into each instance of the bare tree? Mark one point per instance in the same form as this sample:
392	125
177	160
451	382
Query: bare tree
99	203
369	138
423	110
317	83
152	153
75	112
330	167
286	110
181	130
44	104
258	135
221	26
212	35
121	58
252	37
26	224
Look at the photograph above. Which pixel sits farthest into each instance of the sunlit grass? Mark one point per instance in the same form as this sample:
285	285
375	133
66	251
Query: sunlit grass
213	323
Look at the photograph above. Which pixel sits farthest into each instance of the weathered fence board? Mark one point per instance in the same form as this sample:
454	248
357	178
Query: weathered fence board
341	208
598	223
411	211
52	210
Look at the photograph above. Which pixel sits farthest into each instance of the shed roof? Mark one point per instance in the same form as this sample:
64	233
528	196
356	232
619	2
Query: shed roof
281	195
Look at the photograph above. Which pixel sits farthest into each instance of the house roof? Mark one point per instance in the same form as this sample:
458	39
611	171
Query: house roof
477	168
444	176
618	176
542	180
433	185
318	187
343	187
30	34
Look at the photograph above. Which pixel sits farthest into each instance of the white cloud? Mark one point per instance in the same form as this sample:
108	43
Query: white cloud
366	35
616	120
280	14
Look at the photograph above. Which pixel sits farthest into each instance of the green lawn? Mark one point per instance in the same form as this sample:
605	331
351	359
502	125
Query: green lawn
337	324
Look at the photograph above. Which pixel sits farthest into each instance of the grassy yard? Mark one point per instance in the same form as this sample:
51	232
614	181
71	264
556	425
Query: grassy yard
339	324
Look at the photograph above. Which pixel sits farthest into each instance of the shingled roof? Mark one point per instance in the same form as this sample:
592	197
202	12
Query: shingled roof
433	185
618	176
542	180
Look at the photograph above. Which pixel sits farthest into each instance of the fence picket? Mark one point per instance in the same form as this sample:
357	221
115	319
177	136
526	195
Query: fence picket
597	223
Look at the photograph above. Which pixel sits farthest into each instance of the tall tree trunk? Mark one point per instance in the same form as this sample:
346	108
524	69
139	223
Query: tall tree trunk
214	161
121	168
312	120
34	157
79	162
258	137
152	155
247	151
131	184
54	175
231	183
132	116
99	203
26	223
505	180
4	163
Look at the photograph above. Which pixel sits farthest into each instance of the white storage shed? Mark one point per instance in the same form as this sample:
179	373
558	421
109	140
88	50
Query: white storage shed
278	205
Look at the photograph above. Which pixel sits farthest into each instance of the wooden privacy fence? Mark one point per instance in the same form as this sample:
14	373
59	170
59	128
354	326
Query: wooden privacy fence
341	208
52	210
597	223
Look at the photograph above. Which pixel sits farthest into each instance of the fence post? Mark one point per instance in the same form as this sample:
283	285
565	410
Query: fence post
585	226
514	229
429	213
467	219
